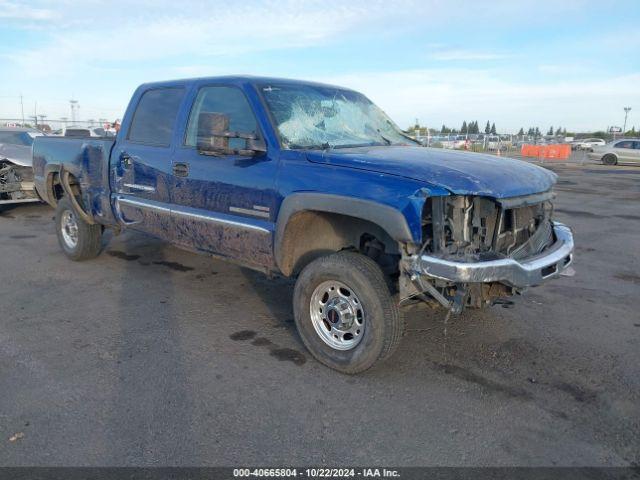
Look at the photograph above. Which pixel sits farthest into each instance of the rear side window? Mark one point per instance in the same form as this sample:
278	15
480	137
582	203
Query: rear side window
155	116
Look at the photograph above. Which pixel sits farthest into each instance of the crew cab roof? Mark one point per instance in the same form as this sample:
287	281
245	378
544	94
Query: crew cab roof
238	80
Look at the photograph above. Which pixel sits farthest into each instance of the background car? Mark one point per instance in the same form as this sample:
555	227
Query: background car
83	132
623	150
493	142
16	172
587	144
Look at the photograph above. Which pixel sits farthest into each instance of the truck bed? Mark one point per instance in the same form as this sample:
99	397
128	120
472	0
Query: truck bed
86	160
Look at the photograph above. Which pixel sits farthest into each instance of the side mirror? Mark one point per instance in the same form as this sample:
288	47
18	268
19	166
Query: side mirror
218	144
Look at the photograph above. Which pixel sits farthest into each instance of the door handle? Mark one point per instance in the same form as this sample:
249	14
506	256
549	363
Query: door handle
181	169
125	160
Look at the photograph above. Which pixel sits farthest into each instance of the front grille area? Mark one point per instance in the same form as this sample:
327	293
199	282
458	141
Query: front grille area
467	228
541	238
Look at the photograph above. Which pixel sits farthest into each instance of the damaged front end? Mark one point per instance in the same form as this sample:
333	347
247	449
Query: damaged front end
479	250
16	183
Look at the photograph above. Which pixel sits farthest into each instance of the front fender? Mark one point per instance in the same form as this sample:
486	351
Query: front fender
388	218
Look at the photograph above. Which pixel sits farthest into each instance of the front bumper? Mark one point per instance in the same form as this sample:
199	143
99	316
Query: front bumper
524	273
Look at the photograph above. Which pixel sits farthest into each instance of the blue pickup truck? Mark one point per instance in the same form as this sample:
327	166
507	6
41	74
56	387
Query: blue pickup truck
314	182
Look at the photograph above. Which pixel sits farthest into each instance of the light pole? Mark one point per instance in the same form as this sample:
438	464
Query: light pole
626	112
22	109
74	110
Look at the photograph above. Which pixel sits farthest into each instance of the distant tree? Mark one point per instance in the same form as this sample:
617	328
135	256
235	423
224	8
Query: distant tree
464	128
476	128
444	129
536	133
531	132
521	132
564	132
558	132
631	133
493	129
550	132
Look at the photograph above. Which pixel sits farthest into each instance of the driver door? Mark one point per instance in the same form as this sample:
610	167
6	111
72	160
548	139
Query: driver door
223	204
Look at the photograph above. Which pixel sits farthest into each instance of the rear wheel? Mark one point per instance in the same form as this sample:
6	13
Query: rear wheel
609	159
345	313
78	239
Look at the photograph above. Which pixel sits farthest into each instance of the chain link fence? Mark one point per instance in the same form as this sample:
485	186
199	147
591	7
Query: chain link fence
56	126
508	145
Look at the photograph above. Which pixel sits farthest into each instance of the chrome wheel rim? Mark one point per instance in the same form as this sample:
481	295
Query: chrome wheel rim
337	315
69	227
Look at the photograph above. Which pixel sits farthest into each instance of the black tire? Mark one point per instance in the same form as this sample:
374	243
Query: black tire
609	159
89	237
383	327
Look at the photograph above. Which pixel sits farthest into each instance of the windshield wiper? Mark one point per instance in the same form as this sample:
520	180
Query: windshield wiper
322	146
385	139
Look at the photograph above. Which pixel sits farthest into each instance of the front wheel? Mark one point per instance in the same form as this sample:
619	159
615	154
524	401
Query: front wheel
78	239
345	313
609	159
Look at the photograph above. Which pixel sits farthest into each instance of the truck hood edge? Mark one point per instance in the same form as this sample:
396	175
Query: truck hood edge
462	173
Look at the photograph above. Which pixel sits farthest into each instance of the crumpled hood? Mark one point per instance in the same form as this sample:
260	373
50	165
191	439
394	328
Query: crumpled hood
18	154
460	172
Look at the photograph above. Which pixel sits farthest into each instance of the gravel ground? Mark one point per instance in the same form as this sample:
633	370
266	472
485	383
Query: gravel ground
151	356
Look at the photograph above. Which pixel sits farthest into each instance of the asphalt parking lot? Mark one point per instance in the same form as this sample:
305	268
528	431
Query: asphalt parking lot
153	356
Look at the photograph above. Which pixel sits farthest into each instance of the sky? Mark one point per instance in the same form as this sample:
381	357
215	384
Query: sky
567	63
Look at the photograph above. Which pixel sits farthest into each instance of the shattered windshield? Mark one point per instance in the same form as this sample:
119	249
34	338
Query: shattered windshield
310	116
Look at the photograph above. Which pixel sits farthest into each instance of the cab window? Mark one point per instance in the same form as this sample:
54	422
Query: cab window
226	109
155	116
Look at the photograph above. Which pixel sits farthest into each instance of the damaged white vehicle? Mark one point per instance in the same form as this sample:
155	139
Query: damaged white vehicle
16	171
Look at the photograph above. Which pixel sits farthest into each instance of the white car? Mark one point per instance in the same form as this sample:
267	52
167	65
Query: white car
618	151
587	144
493	142
83	132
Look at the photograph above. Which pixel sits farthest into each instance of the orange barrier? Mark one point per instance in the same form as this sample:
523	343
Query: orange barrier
560	151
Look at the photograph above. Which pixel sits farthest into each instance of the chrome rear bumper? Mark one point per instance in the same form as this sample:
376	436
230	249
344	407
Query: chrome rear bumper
516	273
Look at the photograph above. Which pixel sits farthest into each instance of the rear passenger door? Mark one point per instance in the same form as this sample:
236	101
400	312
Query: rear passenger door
624	150
223	204
635	154
141	162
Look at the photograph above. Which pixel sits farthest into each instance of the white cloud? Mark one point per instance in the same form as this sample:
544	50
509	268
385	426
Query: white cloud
200	30
20	11
104	50
470	55
449	96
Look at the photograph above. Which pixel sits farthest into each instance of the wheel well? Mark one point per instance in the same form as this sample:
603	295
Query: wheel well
311	234
55	191
54	188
